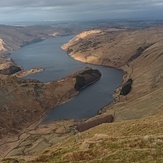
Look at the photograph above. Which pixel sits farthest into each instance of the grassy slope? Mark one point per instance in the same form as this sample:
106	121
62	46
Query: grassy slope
115	48
122	142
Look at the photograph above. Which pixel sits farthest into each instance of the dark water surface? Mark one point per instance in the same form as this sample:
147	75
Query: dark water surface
48	54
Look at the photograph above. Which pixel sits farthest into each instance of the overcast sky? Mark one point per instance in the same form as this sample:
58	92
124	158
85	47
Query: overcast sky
58	10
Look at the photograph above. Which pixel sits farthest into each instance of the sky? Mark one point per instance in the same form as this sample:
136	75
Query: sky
67	10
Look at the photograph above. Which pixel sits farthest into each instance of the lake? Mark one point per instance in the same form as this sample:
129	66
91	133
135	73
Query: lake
58	64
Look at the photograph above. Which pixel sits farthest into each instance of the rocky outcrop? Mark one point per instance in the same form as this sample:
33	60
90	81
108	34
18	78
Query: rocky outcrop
10	70
8	67
86	77
24	73
139	51
126	88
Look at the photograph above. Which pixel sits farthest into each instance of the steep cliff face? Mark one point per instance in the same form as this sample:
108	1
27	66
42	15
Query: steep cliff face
2	48
139	53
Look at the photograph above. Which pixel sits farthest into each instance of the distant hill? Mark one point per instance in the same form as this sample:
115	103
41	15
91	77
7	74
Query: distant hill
13	37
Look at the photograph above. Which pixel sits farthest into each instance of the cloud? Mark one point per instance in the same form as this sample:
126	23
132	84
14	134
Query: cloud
55	3
78	9
39	3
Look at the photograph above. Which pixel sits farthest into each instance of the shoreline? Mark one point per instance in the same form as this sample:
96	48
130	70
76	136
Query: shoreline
125	72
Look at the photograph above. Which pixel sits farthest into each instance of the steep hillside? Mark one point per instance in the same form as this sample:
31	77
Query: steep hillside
112	47
24	101
122	142
13	37
139	53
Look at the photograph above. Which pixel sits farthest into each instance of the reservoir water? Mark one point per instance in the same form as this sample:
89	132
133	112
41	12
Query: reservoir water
48	54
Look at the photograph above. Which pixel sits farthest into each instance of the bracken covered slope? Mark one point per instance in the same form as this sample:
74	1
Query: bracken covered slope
23	102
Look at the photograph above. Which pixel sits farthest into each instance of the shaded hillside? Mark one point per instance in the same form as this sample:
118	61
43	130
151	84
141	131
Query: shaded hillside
23	102
14	37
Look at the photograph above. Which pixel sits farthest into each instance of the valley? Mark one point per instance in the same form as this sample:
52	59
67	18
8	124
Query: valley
138	52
